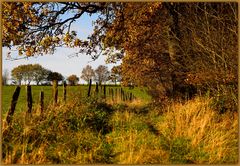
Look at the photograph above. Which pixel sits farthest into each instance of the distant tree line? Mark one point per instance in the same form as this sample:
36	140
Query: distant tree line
101	74
35	73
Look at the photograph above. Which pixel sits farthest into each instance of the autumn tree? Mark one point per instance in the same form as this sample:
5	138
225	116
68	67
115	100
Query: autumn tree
55	76
87	73
5	77
73	79
139	29
17	75
101	74
23	73
115	74
212	57
39	73
29	73
37	28
171	46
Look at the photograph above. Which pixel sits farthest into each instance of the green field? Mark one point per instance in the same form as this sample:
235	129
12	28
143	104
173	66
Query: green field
8	91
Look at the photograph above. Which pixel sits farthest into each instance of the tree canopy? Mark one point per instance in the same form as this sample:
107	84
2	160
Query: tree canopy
29	73
73	79
37	28
55	76
87	73
165	46
101	74
115	75
169	46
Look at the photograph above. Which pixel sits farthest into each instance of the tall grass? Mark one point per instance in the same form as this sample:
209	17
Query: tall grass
185	133
202	134
91	131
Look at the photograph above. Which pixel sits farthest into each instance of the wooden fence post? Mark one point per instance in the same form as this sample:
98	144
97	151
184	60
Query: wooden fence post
41	100
104	91
112	94
109	91
116	94
55	91
13	105
96	88
121	94
29	99
64	91
89	87
131	96
126	96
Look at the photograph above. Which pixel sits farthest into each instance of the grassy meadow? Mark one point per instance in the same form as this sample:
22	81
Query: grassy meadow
80	90
93	130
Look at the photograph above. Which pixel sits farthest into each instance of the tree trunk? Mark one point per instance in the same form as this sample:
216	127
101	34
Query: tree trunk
176	55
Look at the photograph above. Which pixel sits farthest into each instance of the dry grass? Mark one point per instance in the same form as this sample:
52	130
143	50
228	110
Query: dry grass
214	134
135	102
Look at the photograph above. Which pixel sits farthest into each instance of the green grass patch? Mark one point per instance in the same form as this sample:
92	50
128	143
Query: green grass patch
22	100
80	90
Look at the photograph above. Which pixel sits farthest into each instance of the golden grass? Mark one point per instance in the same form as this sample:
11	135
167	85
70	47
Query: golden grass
134	102
216	134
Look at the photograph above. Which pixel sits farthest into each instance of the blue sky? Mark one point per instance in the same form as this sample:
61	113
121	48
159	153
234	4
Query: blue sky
59	61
